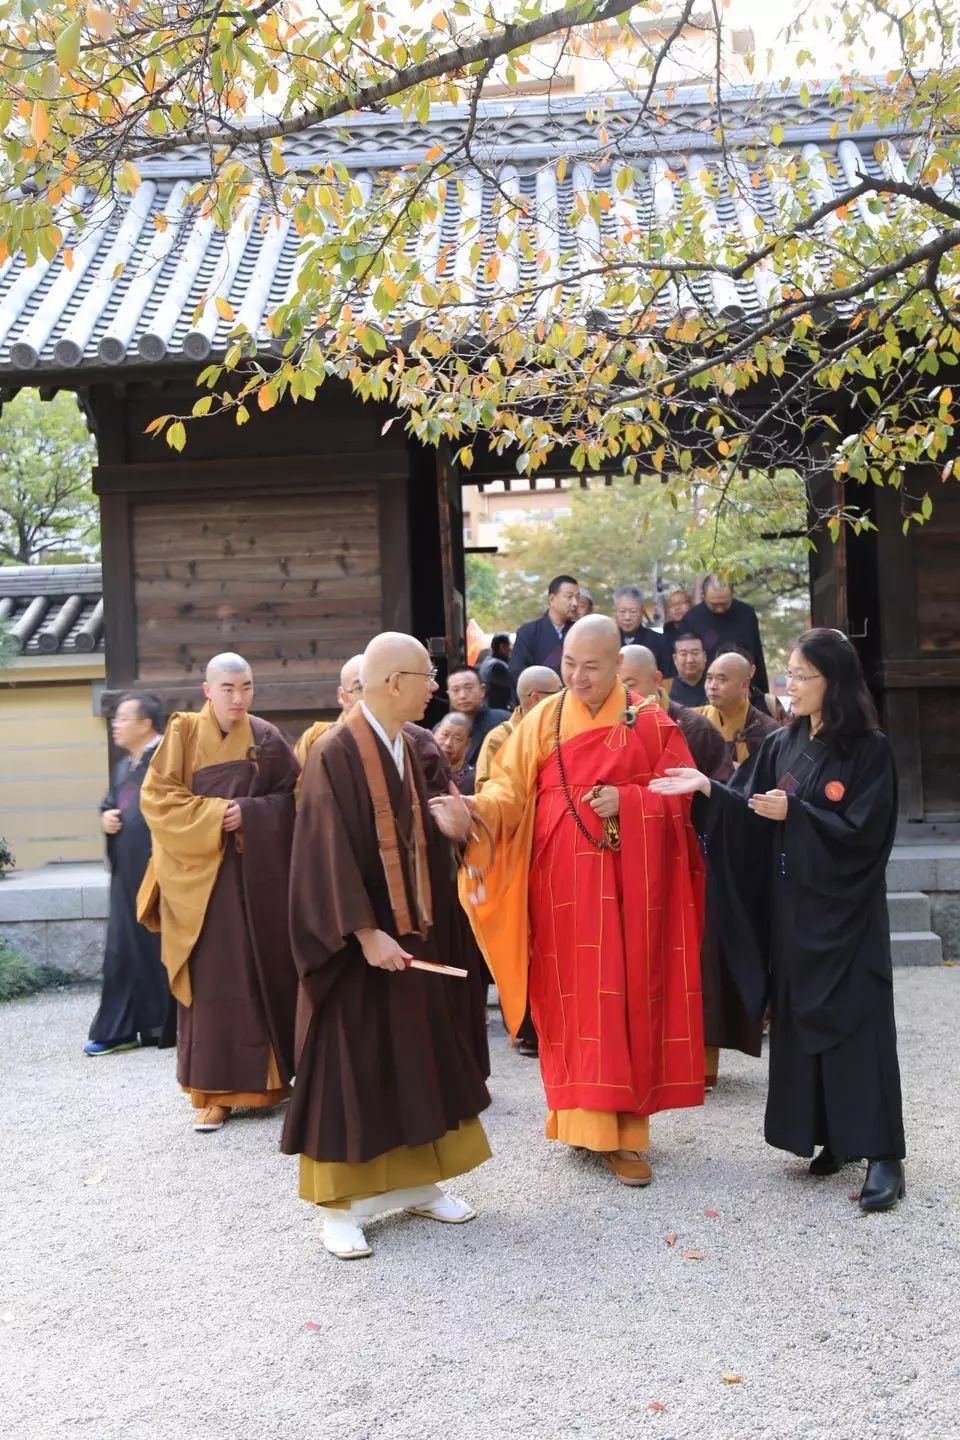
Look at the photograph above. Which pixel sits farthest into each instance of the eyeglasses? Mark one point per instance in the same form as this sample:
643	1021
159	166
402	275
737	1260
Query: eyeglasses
430	674
355	689
801	679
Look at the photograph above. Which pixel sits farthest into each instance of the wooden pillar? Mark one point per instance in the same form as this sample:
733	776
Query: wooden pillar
450	508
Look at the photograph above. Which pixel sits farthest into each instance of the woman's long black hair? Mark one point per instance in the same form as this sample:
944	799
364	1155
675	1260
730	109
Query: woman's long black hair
848	710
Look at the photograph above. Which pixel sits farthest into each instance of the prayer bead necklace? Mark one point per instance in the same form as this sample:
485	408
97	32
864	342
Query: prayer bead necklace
610	840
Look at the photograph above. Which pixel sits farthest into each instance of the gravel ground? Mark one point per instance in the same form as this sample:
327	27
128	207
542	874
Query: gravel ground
157	1283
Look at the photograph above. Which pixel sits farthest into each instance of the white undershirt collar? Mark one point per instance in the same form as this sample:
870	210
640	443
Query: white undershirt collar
394	746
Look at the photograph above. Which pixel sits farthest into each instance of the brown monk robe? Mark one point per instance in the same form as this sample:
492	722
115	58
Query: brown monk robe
726	1023
388	1082
348	694
742	725
219	800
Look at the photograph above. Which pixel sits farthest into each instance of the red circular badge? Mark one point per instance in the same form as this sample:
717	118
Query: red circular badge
834	789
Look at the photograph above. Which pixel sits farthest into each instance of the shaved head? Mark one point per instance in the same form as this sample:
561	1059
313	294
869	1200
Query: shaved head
728	682
350	690
639	670
229	688
535	684
453	737
228	663
397	678
591	652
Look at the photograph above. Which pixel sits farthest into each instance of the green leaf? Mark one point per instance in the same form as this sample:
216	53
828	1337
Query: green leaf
68	44
176	436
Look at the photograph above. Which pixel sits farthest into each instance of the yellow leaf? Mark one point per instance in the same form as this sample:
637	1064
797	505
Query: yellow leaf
160	221
433	153
266	399
39	123
224	309
730	1377
177	435
561	169
68	257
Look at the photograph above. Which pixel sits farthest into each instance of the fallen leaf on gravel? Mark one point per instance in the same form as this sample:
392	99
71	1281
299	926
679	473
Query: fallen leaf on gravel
949	964
96	1178
694	1255
712	1214
730	1377
313	1326
854	1196
670	1239
657	1406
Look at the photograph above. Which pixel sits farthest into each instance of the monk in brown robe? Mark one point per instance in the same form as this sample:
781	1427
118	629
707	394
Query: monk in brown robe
219	801
640	673
726	1023
348	694
742	725
389	1087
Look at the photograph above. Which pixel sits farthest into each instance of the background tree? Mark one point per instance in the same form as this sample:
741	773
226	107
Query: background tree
638	534
642	343
484	600
48	511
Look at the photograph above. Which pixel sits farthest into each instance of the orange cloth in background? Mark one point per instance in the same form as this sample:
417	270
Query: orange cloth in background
187	834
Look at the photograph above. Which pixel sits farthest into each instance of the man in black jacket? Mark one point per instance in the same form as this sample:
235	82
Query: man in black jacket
540	642
720	620
628	609
468	697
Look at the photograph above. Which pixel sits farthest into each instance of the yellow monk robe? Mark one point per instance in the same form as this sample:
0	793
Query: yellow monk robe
493	742
731	728
313	732
196	869
609	940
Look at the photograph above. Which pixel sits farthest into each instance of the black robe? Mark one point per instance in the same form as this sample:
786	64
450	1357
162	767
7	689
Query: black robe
384	1058
135	998
737	626
802	908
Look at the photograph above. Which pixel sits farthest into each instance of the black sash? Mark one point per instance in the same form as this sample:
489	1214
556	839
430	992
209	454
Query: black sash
791	780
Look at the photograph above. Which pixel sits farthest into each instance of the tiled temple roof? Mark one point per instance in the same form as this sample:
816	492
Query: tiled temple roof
130	294
53	609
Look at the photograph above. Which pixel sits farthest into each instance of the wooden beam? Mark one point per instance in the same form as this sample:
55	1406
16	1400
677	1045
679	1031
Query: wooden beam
393	524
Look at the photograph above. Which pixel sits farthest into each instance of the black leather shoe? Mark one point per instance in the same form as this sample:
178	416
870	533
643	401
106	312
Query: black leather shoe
884	1186
826	1163
530	1048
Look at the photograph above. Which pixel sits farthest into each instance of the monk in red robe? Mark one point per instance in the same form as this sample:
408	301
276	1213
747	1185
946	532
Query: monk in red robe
594	901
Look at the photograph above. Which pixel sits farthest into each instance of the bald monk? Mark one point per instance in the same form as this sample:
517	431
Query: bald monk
594	899
219	801
726	1023
389	1086
742	726
533	685
640	673
348	694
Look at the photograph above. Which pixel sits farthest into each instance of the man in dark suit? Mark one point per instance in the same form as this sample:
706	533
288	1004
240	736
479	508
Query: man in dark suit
628	609
468	697
540	642
721	620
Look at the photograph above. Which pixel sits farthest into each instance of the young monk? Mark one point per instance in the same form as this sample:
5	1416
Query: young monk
219	800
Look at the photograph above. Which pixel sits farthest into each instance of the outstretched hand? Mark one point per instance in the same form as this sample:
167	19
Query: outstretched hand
683	780
770	805
452	816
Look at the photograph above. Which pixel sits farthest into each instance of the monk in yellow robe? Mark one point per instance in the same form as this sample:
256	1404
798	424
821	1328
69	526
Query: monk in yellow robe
533	685
219	801
348	694
741	724
593	903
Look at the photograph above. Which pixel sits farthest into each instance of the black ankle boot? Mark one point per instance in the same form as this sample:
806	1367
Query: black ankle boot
826	1163
884	1186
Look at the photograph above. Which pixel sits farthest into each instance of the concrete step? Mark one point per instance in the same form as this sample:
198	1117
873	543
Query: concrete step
916	947
909	910
924	867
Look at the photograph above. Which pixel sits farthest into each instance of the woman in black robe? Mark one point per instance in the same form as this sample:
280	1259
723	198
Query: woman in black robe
136	1006
797	846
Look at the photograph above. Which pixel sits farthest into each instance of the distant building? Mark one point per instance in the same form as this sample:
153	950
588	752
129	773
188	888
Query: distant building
53	740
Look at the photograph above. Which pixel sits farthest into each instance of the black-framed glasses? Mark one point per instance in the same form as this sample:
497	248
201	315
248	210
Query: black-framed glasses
430	674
